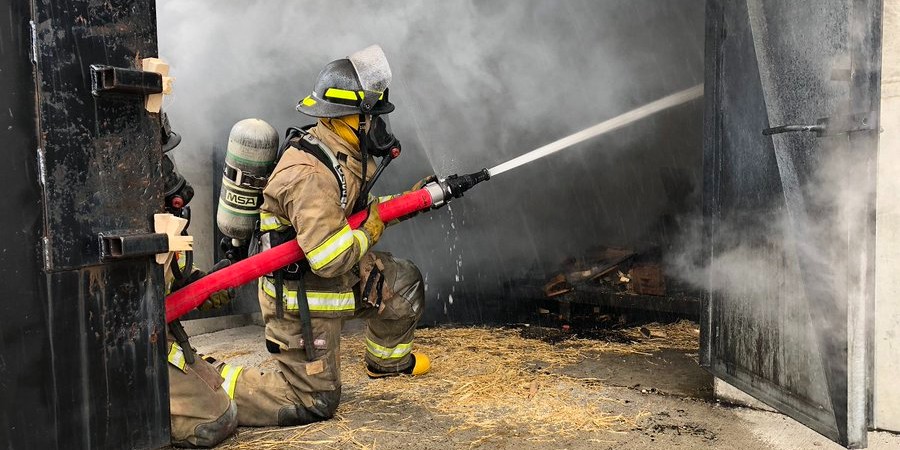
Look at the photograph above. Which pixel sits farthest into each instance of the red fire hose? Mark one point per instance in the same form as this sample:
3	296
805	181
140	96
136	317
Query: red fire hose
189	297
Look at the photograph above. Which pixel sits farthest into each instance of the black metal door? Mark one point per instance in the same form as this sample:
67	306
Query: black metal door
789	215
82	338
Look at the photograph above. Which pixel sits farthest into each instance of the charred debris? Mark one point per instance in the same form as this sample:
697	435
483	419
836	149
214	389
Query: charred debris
601	292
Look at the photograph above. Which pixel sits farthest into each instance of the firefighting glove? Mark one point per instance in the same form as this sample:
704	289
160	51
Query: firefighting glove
373	226
179	283
216	300
221	298
419	185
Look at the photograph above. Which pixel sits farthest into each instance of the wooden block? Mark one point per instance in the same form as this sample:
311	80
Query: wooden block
154	101
155	65
172	226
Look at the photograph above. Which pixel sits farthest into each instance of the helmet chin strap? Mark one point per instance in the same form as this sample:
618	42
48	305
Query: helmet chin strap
361	131
363	200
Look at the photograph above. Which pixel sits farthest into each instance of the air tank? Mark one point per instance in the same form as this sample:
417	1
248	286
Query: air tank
249	159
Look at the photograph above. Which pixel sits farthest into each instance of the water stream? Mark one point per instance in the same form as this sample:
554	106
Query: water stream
602	128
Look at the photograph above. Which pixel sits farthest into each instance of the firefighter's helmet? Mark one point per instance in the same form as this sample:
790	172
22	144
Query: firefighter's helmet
357	84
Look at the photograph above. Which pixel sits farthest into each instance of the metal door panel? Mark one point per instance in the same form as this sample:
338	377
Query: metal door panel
82	339
791	257
94	148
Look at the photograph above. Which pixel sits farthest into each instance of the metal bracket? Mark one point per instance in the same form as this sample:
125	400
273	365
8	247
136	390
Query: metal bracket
830	126
116	80
116	246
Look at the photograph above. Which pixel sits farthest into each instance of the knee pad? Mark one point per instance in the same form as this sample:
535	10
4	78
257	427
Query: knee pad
326	403
410	284
212	433
323	408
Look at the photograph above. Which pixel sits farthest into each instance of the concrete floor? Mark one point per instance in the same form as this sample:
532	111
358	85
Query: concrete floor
667	390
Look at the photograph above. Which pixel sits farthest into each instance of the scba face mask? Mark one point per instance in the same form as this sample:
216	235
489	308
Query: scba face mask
379	137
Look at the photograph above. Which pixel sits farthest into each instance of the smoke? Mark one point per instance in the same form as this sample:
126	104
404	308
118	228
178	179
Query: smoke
476	83
761	253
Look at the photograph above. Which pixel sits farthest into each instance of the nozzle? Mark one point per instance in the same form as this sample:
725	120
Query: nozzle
454	186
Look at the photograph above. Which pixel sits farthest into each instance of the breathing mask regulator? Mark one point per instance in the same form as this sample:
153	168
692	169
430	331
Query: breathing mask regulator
375	139
178	192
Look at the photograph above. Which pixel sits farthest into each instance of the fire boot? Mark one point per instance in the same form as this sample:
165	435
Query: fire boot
421	364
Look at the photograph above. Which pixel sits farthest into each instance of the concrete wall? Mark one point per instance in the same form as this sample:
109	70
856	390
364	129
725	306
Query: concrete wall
887	267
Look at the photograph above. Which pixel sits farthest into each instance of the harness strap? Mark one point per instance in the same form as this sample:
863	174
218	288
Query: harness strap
279	294
305	321
311	145
181	338
371	283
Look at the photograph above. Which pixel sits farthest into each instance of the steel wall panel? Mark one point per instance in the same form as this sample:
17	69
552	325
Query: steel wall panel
793	212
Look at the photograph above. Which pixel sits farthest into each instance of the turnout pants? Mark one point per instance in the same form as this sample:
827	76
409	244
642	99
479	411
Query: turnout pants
301	390
202	413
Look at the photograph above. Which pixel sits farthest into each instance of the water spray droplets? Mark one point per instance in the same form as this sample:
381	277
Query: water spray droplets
453	249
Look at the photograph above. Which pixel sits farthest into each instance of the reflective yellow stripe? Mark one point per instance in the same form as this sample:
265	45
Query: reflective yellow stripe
385	198
318	301
182	259
271	222
308	101
230	374
330	301
176	357
363	241
331	248
341	94
382	352
362	95
344	94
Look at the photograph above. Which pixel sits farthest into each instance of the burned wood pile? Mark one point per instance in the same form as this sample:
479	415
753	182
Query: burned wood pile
611	270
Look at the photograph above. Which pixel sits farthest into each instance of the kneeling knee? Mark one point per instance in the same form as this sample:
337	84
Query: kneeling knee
212	433
410	284
324	405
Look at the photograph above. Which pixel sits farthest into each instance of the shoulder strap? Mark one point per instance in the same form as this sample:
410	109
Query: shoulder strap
309	144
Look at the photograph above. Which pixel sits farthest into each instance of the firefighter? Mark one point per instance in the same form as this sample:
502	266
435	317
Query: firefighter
320	179
201	412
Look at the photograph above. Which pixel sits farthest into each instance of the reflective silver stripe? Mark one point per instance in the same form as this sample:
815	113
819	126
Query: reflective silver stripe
363	241
176	357
330	249
230	374
270	222
331	301
383	352
318	301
